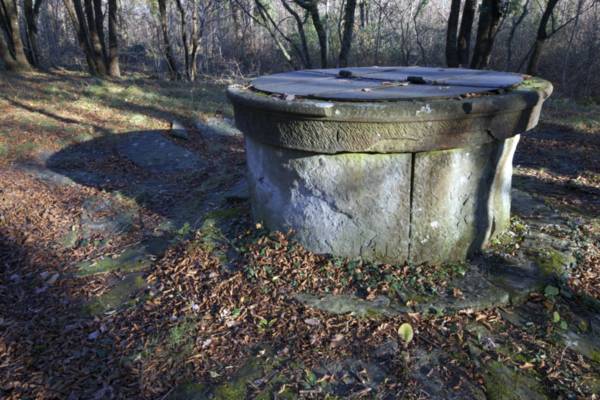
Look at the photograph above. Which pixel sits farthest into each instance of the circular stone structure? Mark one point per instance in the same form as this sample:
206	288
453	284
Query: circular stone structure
390	164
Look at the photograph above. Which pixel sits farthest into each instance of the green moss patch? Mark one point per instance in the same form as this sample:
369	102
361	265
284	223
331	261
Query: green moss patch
503	383
131	260
118	295
552	262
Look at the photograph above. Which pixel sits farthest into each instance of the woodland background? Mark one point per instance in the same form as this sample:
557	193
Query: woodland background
182	39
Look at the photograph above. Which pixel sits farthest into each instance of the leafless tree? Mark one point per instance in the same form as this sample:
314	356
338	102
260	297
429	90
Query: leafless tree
489	20
12	51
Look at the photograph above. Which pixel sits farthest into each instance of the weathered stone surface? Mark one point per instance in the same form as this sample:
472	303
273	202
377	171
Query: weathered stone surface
238	192
118	295
427	371
345	204
157	154
460	199
133	259
375	83
503	383
518	277
104	218
587	344
351	375
387	127
348	304
178	130
217	127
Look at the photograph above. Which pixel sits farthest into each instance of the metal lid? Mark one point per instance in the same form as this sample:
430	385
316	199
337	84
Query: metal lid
385	83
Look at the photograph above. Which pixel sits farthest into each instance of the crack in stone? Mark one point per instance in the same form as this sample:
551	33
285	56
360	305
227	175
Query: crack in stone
410	208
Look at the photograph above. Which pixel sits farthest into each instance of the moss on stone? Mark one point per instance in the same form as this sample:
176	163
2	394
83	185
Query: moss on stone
502	383
237	388
595	356
131	260
117	296
593	382
551	262
189	391
70	240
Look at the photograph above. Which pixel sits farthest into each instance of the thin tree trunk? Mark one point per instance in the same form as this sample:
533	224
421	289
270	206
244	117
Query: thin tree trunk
300	27
162	7
362	15
464	34
77	16
321	33
567	57
184	37
266	21
96	45
195	41
349	12
312	6
511	36
114	69
32	11
99	20
489	19
542	36
451	35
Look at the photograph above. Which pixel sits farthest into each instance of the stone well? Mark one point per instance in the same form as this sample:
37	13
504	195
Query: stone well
390	164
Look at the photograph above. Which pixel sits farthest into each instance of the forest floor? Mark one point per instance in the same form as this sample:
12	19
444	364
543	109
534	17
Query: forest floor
130	268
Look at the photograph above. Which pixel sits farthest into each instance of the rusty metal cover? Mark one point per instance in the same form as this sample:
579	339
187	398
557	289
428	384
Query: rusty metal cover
385	83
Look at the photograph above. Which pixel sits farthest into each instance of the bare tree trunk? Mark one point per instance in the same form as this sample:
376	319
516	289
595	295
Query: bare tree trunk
349	12
114	68
451	38
96	45
511	35
321	33
567	57
32	11
542	36
300	27
195	42
7	58
312	6
464	35
9	22
489	19
173	72
362	13
99	20
184	37
77	16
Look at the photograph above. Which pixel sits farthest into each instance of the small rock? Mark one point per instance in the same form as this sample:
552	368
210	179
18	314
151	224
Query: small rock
337	340
312	321
53	279
94	335
222	127
387	349
41	289
238	192
178	130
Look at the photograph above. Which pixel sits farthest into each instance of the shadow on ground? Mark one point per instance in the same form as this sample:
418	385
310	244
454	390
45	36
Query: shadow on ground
49	344
181	182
